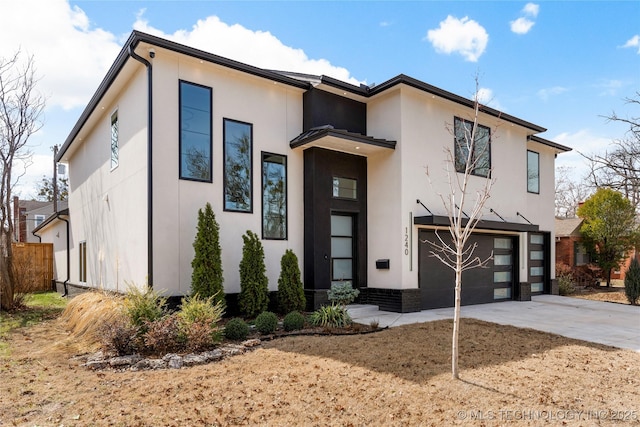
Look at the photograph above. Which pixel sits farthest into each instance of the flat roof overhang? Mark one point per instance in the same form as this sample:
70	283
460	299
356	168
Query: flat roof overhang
341	140
441	220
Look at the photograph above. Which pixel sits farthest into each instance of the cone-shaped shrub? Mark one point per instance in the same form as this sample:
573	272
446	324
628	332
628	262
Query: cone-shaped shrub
254	285
206	279
290	291
632	282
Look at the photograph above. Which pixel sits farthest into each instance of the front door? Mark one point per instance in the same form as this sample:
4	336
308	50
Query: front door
343	257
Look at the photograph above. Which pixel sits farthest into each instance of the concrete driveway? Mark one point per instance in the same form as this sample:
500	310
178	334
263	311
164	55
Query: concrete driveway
616	325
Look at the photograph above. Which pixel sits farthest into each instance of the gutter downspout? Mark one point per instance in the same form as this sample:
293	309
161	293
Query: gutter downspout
35	235
66	291
149	161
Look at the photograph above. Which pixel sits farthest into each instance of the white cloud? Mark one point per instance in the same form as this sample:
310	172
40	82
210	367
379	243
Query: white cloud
523	24
486	97
70	56
633	42
609	87
582	141
463	36
257	48
545	94
531	9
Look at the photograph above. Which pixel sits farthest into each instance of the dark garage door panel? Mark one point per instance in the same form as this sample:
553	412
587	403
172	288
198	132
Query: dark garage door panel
437	280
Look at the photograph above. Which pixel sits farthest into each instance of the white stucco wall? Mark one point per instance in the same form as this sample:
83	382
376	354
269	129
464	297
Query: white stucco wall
56	232
108	207
275	110
422	126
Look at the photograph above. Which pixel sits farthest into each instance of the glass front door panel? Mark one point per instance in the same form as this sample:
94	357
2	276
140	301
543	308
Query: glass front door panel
342	252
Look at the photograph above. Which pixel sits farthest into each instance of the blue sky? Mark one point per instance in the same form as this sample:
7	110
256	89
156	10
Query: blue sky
559	64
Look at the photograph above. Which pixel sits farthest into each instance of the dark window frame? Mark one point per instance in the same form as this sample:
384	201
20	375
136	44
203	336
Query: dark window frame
529	176
82	262
183	174
460	165
263	155
115	140
224	166
333	178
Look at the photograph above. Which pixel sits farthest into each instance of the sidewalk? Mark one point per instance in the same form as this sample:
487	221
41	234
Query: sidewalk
616	325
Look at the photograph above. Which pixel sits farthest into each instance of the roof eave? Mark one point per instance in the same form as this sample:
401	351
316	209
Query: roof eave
132	42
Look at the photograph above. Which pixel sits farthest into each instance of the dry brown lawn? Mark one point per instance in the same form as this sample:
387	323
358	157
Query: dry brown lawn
613	294
397	377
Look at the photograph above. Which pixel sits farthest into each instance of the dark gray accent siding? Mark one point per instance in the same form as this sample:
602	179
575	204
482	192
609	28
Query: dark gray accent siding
324	108
320	166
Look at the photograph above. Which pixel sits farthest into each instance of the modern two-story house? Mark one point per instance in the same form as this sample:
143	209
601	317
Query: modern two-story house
333	171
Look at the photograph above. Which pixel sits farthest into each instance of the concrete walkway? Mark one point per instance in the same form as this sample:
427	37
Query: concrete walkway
616	325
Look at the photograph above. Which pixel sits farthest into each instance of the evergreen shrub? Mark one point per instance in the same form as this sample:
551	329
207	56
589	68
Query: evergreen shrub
266	322
254	284
206	277
293	321
236	329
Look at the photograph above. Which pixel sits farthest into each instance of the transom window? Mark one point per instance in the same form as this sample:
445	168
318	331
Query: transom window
195	132
238	162
477	143
345	188
533	172
274	196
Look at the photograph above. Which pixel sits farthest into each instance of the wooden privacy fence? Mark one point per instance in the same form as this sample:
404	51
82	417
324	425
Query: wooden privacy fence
33	266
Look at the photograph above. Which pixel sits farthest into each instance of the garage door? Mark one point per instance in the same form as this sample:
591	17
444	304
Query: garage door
479	285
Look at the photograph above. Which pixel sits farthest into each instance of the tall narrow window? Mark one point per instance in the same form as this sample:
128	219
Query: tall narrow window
238	163
478	143
274	196
82	262
114	140
533	172
195	132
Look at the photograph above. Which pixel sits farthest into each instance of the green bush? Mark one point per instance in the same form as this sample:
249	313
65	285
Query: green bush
266	322
331	316
342	293
198	321
206	278
254	285
142	307
236	329
632	282
290	290
293	321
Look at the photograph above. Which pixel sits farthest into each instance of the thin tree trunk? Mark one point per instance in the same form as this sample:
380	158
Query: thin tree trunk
456	326
6	283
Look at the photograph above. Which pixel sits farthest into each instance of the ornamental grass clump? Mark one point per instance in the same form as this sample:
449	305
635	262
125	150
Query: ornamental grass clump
331	316
266	322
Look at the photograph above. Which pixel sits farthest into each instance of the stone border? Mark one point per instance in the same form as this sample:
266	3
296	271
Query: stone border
101	361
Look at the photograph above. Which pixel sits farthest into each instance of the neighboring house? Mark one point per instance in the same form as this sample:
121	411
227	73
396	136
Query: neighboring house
55	229
330	170
571	252
27	215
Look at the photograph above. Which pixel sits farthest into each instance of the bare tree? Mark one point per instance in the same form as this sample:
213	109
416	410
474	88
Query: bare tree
472	145
619	167
21	108
569	192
